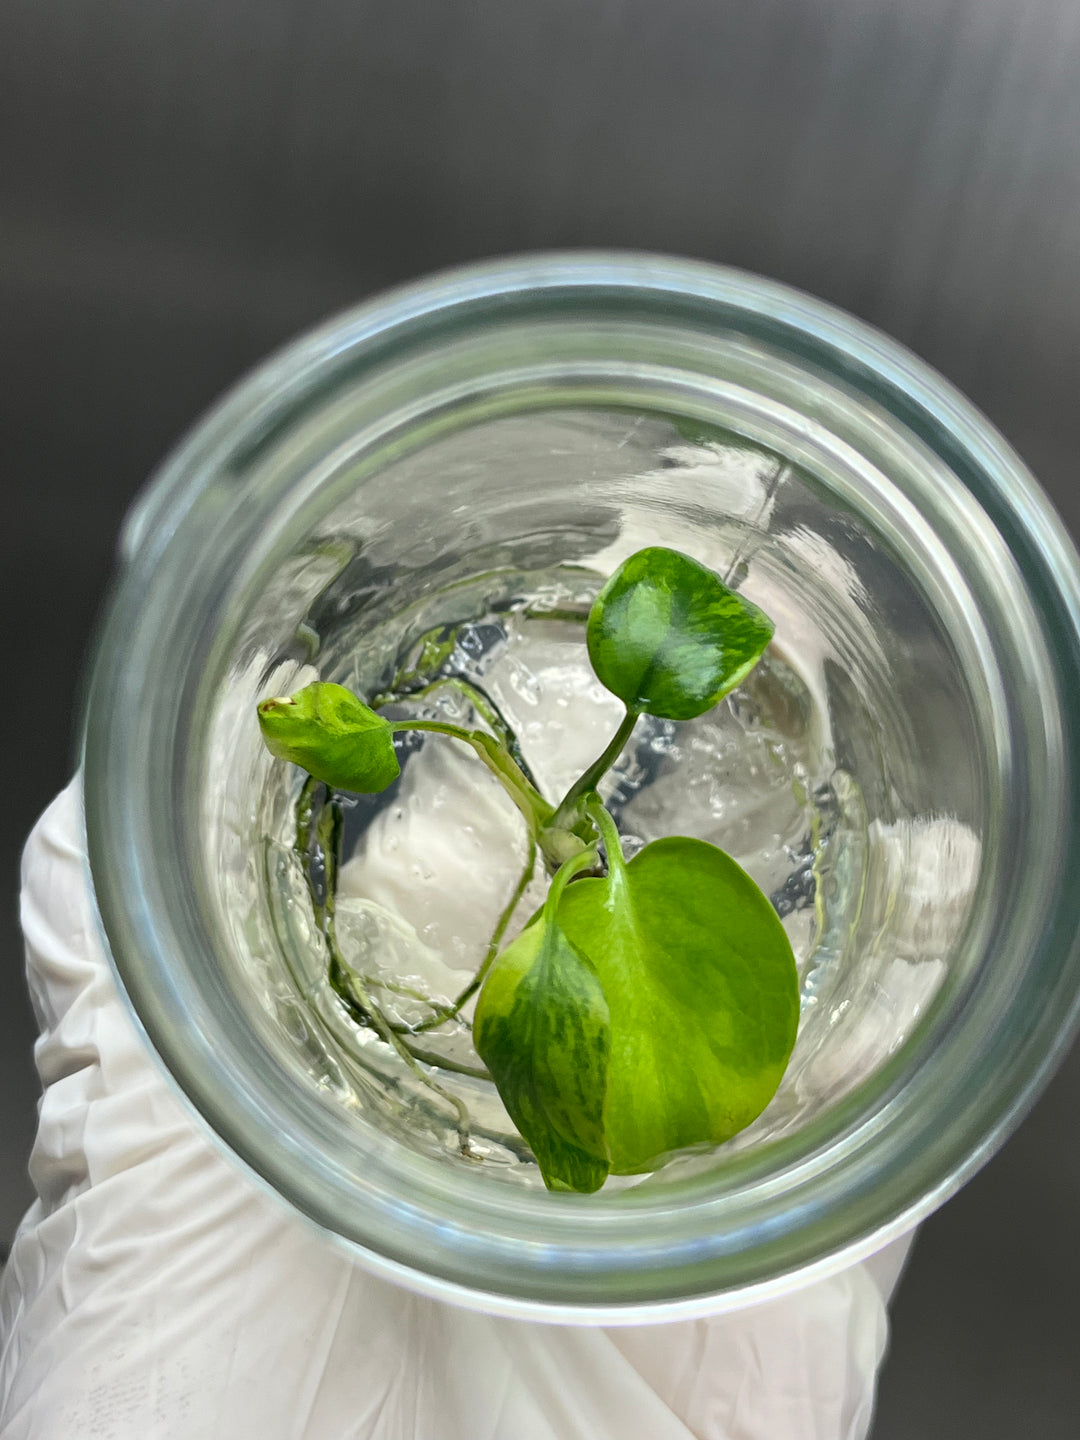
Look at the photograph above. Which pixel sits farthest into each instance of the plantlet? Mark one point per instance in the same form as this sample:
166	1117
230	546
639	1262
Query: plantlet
651	1004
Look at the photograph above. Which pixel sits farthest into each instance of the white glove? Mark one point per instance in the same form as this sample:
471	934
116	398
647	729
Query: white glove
155	1292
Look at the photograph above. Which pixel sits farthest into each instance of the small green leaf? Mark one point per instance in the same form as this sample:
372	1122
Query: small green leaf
669	638
541	1028
331	734
701	989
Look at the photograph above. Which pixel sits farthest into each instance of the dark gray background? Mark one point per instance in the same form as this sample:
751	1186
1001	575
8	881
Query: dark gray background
186	183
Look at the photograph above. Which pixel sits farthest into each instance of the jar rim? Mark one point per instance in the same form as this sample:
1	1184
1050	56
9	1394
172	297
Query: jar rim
827	1214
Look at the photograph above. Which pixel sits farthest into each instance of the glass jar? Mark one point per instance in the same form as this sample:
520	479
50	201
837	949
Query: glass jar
463	453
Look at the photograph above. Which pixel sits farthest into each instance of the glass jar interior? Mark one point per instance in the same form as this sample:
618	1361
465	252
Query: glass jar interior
845	776
474	455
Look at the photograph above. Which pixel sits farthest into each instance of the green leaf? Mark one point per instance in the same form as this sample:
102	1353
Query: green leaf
702	995
331	734
669	638
541	1028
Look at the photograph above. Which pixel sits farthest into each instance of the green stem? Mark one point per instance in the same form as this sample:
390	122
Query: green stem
305	807
449	1011
476	698
596	770
395	987
412	1056
482	703
329	828
347	985
440	1062
609	833
585	861
327	831
557	841
536	811
569	614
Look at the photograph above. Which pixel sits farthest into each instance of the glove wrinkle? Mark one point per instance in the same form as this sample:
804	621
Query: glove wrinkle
154	1292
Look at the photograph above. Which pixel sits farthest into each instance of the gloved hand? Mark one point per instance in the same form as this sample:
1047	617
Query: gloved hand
156	1292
